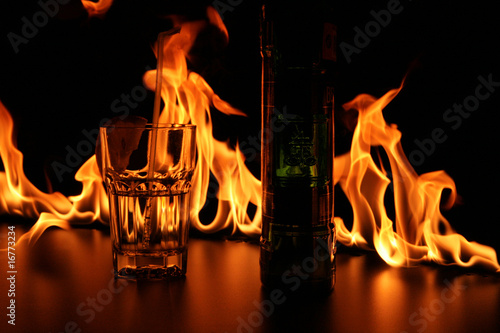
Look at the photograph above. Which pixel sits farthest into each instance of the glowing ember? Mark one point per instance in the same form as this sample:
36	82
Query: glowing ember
420	233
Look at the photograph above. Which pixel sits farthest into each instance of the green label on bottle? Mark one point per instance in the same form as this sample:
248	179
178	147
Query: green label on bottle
302	154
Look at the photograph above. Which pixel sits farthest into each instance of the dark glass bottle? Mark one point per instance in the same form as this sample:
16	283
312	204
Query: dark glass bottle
298	65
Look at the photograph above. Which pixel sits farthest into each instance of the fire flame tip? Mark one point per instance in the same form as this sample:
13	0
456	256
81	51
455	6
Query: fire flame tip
97	8
417	234
215	19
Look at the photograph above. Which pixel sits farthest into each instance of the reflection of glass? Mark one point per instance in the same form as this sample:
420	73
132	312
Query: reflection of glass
148	191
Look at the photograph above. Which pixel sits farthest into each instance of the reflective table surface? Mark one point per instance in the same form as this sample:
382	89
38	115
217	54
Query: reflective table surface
65	283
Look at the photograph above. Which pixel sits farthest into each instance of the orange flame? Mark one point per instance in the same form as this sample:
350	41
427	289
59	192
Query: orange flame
97	8
188	98
20	197
420	232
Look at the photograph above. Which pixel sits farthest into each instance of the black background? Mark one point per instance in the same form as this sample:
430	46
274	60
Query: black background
65	79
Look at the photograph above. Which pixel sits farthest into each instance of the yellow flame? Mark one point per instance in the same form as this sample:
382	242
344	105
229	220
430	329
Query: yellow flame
420	233
188	99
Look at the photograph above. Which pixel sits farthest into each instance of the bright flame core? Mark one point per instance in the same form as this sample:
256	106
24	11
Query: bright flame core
420	233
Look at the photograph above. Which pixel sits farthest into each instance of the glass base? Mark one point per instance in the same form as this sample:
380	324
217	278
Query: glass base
150	265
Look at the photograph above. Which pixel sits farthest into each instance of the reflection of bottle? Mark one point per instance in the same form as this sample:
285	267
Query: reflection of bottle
298	62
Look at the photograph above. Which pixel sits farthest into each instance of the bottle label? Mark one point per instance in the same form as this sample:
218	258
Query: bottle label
299	153
302	153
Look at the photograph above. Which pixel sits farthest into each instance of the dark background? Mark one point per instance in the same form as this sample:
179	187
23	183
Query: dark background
64	80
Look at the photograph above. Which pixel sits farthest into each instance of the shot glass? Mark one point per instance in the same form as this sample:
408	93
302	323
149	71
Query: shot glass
147	171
